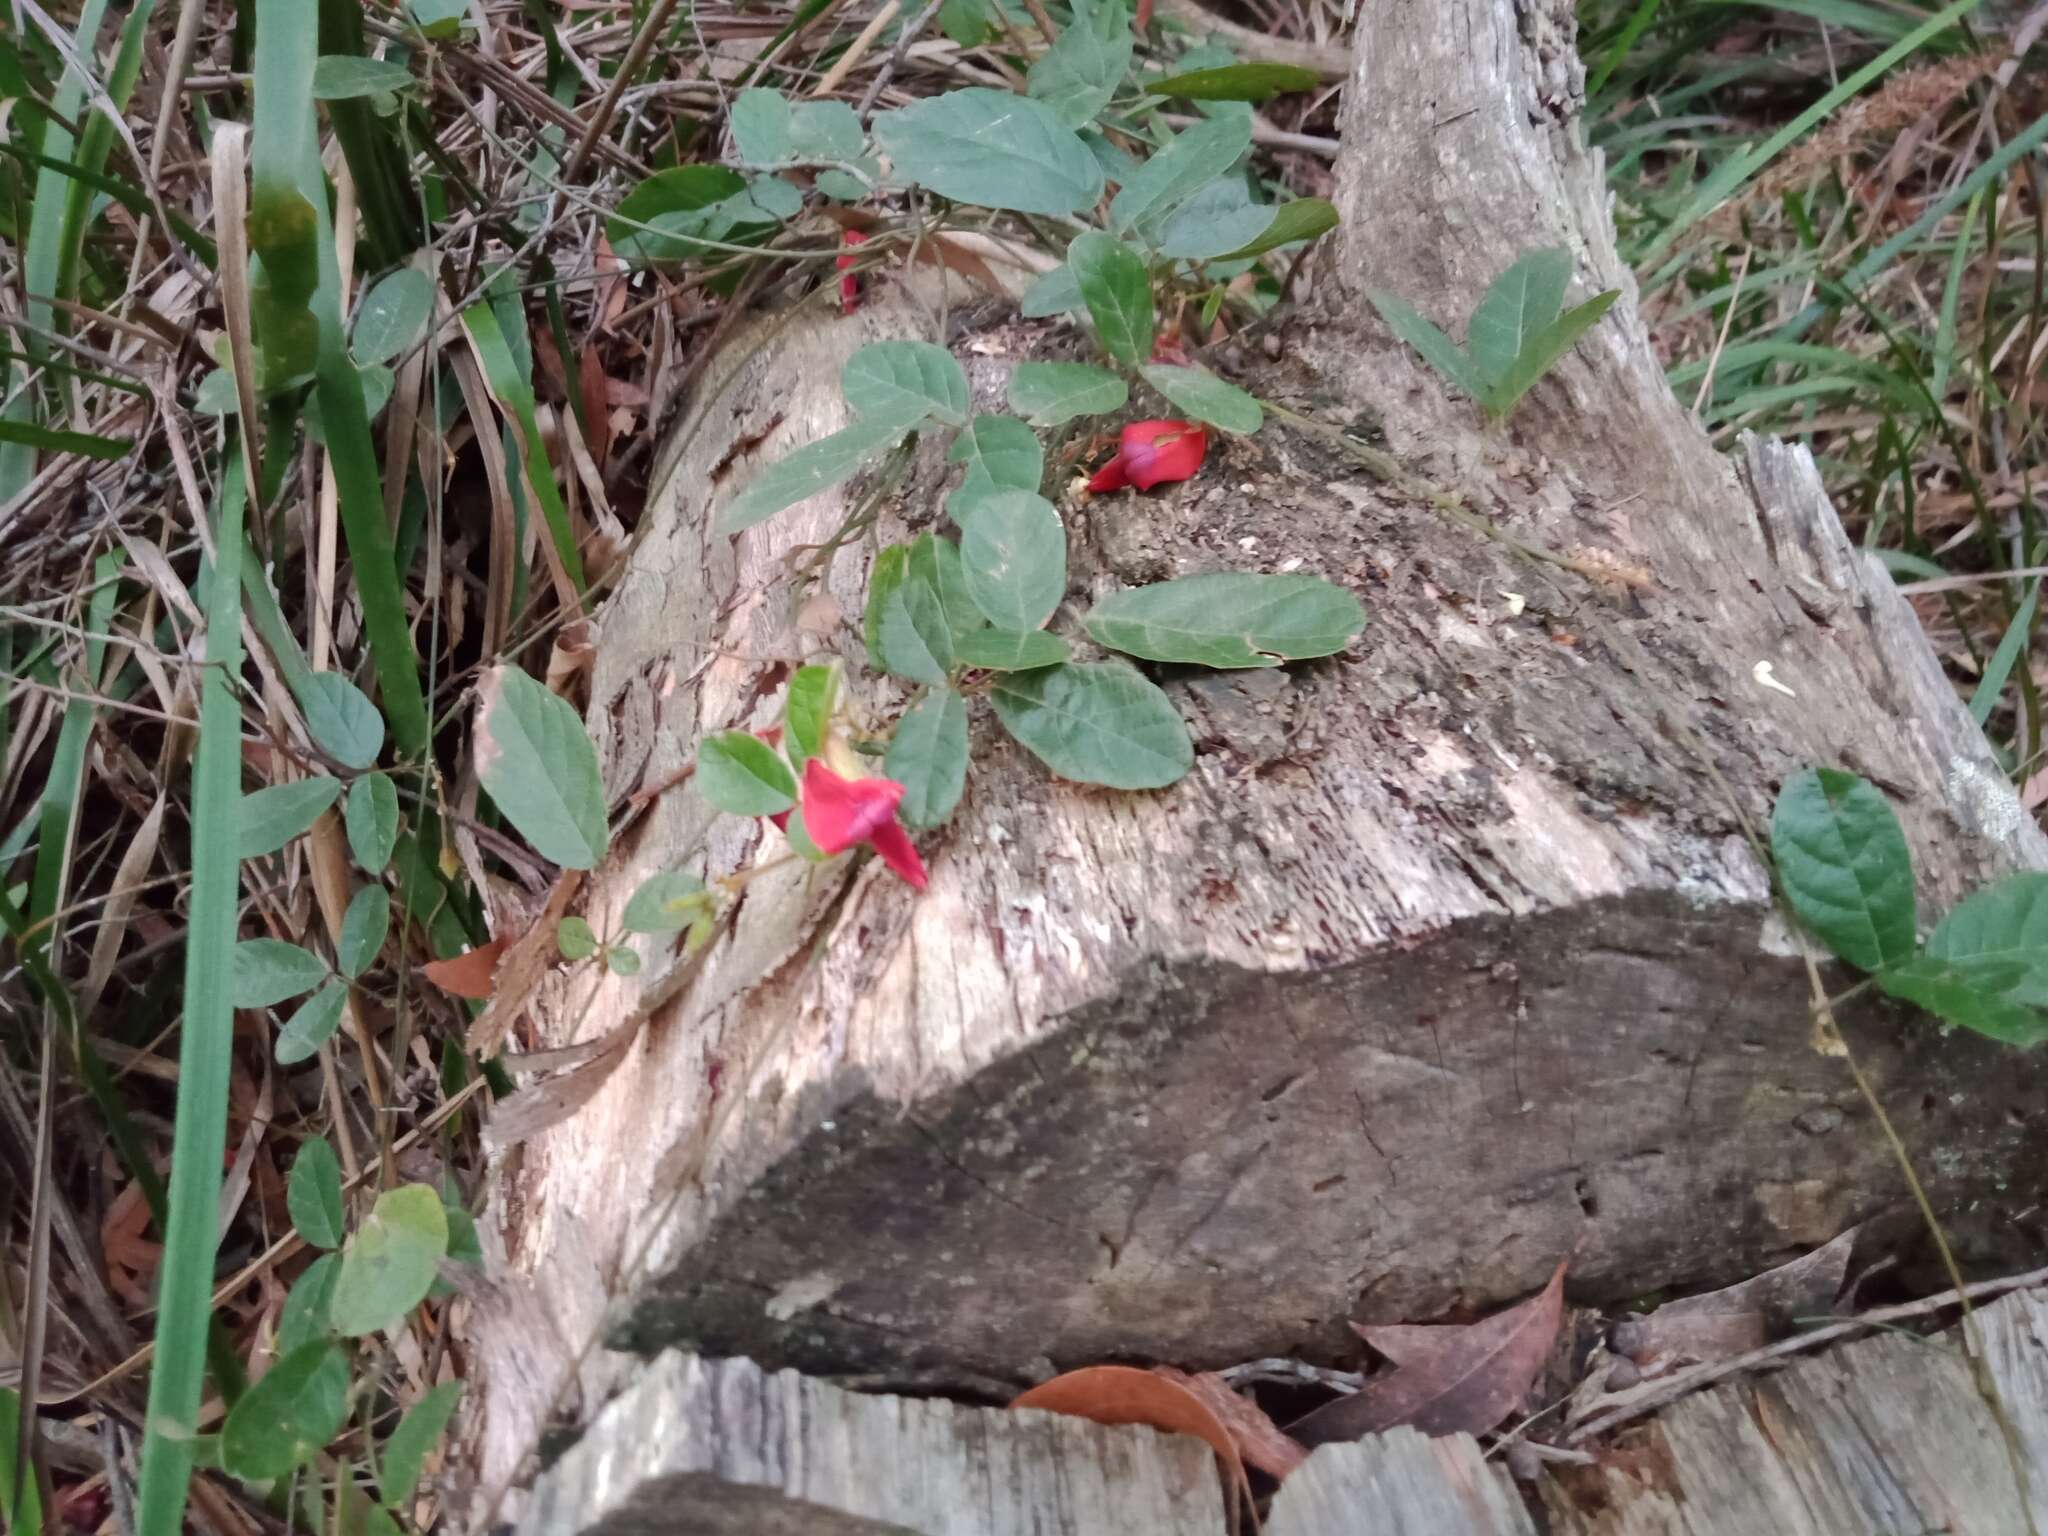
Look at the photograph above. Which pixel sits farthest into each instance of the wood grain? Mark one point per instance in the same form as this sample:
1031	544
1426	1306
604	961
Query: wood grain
1448	960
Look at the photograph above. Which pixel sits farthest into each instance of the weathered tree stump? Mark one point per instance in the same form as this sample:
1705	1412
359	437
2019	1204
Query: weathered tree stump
1886	1436
1448	960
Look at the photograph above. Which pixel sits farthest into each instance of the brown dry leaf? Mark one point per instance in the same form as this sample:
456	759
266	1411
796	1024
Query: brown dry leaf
469	973
955	257
525	962
1259	1441
1451	1379
1737	1319
532	1110
1123	1394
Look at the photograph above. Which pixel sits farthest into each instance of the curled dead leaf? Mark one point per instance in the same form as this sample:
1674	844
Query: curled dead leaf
1123	1394
1259	1441
469	973
1450	1379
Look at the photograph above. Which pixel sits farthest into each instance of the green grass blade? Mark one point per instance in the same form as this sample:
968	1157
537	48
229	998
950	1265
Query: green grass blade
1951	299
1741	167
43	249
1999	668
54	440
513	390
297	307
96	143
376	160
204	1045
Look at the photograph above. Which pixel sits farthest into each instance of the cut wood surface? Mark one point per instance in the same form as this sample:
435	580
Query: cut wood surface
1887	1436
698	1447
1448	960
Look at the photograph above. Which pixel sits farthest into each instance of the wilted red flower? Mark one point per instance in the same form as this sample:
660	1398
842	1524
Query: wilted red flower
1153	453
840	813
849	285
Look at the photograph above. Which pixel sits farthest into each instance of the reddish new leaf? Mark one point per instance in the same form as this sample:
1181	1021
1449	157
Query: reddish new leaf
1259	1441
1453	1379
469	973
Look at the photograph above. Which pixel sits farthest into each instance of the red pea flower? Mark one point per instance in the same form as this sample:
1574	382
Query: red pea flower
849	285
1153	453
840	813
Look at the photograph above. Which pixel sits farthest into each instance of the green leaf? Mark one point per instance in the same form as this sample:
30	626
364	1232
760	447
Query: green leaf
1054	393
1096	723
1081	71
1545	349
267	971
393	316
916	640
665	903
18	1492
684	205
1205	397
288	1417
1437	349
357	1514
389	1261
371	818
2006	921
1058	292
1235	82
936	562
1000	452
1303	219
574	939
272	817
1010	650
621	961
1118	292
761	133
742	775
812	468
775	197
1195	157
1220	217
87	445
313	1195
405	1453
363	927
438	19
344	723
1015	552
1975	994
1229	619
965	22
769	130
993	149
1522	302
348	77
928	756
311	1025
1844	866
539	766
891	568
304	1316
807	710
904	382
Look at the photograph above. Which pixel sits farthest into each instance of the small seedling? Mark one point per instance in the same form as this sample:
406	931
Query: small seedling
1516	335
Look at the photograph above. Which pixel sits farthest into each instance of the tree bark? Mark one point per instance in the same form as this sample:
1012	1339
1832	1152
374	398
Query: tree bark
1449	959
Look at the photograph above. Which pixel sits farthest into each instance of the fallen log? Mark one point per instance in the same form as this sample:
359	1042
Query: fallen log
1449	958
